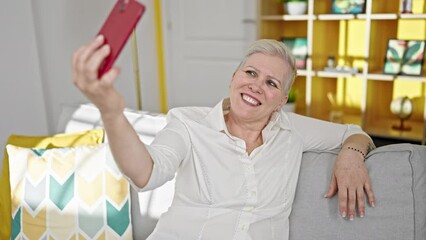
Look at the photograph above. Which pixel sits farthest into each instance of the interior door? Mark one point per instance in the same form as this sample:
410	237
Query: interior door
205	41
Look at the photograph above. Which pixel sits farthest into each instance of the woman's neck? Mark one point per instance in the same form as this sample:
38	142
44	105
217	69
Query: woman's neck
249	132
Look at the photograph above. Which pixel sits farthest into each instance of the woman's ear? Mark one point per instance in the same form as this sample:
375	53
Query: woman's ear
283	101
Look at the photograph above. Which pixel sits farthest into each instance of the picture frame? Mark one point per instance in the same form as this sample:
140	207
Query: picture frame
404	57
347	6
299	48
412	62
394	54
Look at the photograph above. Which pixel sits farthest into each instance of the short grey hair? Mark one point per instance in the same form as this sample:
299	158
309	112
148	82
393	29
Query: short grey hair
273	48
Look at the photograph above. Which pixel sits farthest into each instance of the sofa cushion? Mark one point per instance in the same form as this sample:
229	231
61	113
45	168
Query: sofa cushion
76	118
68	193
398	174
146	206
59	140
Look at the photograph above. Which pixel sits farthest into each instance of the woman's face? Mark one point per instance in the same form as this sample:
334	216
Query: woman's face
257	89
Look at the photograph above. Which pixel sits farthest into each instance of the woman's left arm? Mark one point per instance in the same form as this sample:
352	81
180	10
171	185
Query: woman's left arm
350	176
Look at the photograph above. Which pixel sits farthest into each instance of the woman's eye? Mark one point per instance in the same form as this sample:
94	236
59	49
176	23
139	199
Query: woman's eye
272	83
251	73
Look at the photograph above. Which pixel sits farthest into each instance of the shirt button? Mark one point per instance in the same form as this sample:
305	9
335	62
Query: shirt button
249	208
244	227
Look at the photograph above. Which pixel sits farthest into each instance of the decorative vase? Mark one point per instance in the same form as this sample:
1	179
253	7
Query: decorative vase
295	8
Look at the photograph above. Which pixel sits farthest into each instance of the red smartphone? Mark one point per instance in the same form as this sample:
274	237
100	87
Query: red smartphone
117	28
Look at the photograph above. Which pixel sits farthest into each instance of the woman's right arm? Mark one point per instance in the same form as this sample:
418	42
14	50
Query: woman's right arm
129	152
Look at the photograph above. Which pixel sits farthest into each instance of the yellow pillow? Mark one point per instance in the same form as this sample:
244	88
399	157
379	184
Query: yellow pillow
68	193
56	141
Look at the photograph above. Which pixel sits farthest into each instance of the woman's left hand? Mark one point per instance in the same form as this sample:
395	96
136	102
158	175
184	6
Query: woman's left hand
351	180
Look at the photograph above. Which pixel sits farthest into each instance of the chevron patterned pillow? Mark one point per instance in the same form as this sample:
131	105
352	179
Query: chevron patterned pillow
68	193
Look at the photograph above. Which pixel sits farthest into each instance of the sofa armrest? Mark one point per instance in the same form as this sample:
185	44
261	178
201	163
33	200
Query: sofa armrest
398	175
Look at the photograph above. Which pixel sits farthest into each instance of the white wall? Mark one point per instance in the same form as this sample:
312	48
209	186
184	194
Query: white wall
63	26
39	37
21	94
37	42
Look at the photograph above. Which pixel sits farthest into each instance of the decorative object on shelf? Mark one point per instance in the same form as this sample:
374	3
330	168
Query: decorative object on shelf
294	7
348	6
338	69
406	6
299	48
402	107
394	53
404	57
330	61
412	62
342	69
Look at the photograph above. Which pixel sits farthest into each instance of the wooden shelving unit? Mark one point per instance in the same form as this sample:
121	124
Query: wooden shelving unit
359	41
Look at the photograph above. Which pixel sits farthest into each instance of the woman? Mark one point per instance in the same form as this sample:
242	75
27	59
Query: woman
237	163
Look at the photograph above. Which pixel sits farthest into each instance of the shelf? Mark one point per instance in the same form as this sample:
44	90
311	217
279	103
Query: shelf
344	117
328	74
333	17
287	17
380	77
392	16
412	16
298	17
387	77
383	128
352	119
302	72
411	78
383	16
359	41
337	17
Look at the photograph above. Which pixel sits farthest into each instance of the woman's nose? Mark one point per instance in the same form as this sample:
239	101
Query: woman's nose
254	87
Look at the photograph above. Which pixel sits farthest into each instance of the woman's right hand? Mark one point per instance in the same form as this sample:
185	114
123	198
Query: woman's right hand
101	92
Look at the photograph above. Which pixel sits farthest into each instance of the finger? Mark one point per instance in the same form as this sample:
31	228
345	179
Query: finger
87	52
370	194
74	61
92	65
75	56
360	202
332	189
343	201
351	203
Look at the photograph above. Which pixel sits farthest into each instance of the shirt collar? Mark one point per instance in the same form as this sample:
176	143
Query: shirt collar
215	118
280	119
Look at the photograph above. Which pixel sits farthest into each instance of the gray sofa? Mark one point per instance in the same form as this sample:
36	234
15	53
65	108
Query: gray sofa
398	174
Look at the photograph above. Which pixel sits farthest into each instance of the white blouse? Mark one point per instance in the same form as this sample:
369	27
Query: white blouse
221	192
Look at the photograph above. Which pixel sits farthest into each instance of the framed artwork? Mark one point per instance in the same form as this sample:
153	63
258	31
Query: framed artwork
412	62
299	49
404	57
348	6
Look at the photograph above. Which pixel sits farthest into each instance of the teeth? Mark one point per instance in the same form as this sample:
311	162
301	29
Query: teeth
250	100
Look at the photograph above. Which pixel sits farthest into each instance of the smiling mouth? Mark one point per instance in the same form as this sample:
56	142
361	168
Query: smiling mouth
250	100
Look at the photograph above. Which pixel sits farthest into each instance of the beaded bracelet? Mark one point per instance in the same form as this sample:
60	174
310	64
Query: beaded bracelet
357	150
